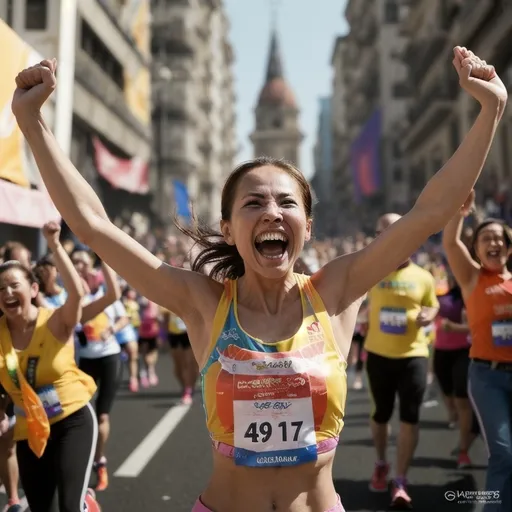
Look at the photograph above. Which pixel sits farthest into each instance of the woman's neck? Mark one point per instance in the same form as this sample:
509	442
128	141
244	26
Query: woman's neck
266	295
25	321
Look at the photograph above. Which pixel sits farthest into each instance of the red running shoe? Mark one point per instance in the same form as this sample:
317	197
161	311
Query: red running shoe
91	505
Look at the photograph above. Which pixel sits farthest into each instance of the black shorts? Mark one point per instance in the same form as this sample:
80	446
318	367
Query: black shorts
358	338
451	370
9	409
178	340
151	343
104	371
387	376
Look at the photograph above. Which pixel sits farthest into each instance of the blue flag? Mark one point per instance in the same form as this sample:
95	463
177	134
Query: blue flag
182	200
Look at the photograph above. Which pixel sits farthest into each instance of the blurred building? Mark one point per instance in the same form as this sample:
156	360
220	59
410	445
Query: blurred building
322	178
277	131
194	102
439	113
369	92
342	185
108	44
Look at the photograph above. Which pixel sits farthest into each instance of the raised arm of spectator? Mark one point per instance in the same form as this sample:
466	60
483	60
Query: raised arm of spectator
112	293
65	318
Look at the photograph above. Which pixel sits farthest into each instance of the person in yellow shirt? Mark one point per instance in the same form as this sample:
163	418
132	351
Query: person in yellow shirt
400	307
55	427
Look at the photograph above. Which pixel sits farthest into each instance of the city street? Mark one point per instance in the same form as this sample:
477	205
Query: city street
159	455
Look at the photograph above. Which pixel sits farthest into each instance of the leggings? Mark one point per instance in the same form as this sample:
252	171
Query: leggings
104	371
65	466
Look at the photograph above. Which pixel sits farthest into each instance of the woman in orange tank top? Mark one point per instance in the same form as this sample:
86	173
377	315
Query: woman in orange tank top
55	425
487	289
266	218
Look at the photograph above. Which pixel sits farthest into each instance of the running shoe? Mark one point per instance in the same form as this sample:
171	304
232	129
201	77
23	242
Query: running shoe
101	476
358	383
463	461
187	399
379	481
134	384
400	499
14	508
144	381
91	505
153	380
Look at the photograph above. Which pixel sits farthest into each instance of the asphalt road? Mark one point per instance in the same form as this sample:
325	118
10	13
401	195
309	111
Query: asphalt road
155	469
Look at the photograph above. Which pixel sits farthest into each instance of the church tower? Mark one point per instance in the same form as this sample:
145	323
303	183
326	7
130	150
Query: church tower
277	133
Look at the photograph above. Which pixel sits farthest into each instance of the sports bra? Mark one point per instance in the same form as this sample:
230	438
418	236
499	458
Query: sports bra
274	404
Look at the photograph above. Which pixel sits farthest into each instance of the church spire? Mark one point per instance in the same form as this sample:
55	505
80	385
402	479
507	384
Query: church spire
275	63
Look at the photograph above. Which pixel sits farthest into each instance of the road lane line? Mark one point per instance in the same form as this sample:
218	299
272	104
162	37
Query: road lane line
140	457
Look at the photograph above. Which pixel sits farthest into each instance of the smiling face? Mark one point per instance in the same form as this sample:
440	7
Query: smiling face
268	221
47	274
491	247
82	262
16	292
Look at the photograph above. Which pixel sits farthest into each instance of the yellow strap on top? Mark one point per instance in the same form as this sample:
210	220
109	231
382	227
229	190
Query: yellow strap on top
221	314
319	309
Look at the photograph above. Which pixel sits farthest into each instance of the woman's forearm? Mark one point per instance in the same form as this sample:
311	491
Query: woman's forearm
453	230
72	195
70	278
112	287
446	192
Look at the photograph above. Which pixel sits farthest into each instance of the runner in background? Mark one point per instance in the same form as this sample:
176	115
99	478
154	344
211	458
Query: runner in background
357	353
400	307
185	366
451	363
99	358
149	332
486	285
54	421
128	337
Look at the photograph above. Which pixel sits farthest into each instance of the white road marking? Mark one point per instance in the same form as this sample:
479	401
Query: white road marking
140	457
23	501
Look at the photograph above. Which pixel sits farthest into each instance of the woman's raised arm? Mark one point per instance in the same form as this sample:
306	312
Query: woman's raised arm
66	317
175	289
345	279
465	269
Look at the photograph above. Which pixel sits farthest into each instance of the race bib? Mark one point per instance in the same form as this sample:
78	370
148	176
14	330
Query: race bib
50	400
502	333
393	320
273	415
94	329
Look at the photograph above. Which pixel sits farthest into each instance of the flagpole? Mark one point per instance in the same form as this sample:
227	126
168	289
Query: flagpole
66	74
63	118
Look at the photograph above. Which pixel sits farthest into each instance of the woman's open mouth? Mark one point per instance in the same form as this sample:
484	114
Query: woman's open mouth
12	303
272	244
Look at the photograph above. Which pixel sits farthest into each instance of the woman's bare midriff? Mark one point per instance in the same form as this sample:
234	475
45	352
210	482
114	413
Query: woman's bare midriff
305	488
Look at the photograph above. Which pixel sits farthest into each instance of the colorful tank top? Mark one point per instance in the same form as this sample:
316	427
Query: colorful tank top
489	311
274	404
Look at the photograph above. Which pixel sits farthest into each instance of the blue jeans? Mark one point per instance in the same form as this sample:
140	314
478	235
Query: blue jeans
490	392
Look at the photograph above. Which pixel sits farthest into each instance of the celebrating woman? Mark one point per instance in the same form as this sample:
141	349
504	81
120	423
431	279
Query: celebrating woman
271	344
55	425
486	286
